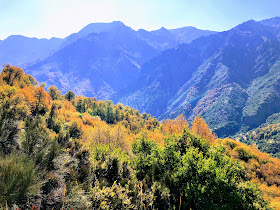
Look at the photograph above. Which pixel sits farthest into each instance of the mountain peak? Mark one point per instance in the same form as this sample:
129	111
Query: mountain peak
274	22
250	25
14	37
102	27
117	22
162	29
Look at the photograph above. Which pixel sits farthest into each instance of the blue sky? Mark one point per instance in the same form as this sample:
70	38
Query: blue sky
59	18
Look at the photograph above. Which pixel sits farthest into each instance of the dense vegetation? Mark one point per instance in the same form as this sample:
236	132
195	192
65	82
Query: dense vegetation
67	151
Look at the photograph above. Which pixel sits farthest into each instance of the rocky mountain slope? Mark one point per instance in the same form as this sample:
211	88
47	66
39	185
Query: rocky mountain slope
103	58
232	78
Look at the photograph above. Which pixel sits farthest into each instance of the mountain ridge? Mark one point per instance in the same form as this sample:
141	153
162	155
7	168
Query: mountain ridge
111	59
18	49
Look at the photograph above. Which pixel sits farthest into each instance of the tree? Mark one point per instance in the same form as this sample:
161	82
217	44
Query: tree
37	143
13	109
70	96
200	127
75	130
175	126
109	112
43	85
118	114
42	101
51	119
54	93
14	76
80	105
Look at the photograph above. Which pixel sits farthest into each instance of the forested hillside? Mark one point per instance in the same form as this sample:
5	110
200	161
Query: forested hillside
72	152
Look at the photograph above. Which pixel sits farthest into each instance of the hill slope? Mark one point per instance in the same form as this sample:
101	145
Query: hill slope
66	151
266	137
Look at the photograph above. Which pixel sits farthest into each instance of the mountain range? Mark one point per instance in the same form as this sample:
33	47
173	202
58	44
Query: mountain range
18	50
99	60
231	78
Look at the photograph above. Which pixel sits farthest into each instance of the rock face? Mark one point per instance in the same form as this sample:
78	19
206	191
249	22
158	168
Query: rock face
232	78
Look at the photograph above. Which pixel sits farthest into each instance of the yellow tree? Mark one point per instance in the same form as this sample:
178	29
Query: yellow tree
14	76
200	127
54	93
175	126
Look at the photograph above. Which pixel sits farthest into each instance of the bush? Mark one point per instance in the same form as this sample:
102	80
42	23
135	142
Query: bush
110	164
244	153
77	199
18	180
115	197
231	143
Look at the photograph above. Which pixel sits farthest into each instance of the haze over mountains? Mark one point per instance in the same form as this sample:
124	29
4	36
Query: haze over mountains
232	78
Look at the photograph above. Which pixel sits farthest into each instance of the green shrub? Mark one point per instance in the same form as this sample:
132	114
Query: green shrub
201	177
18	180
77	199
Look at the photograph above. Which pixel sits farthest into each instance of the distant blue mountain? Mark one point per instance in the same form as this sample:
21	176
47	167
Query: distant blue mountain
17	49
163	38
95	65
102	58
95	28
274	22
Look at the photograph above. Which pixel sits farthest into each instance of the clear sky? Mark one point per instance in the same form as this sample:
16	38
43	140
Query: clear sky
59	18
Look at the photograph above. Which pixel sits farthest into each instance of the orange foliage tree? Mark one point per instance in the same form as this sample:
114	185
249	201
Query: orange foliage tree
14	76
200	127
175	126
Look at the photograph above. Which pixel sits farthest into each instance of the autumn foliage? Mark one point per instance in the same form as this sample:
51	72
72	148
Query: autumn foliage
200	127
